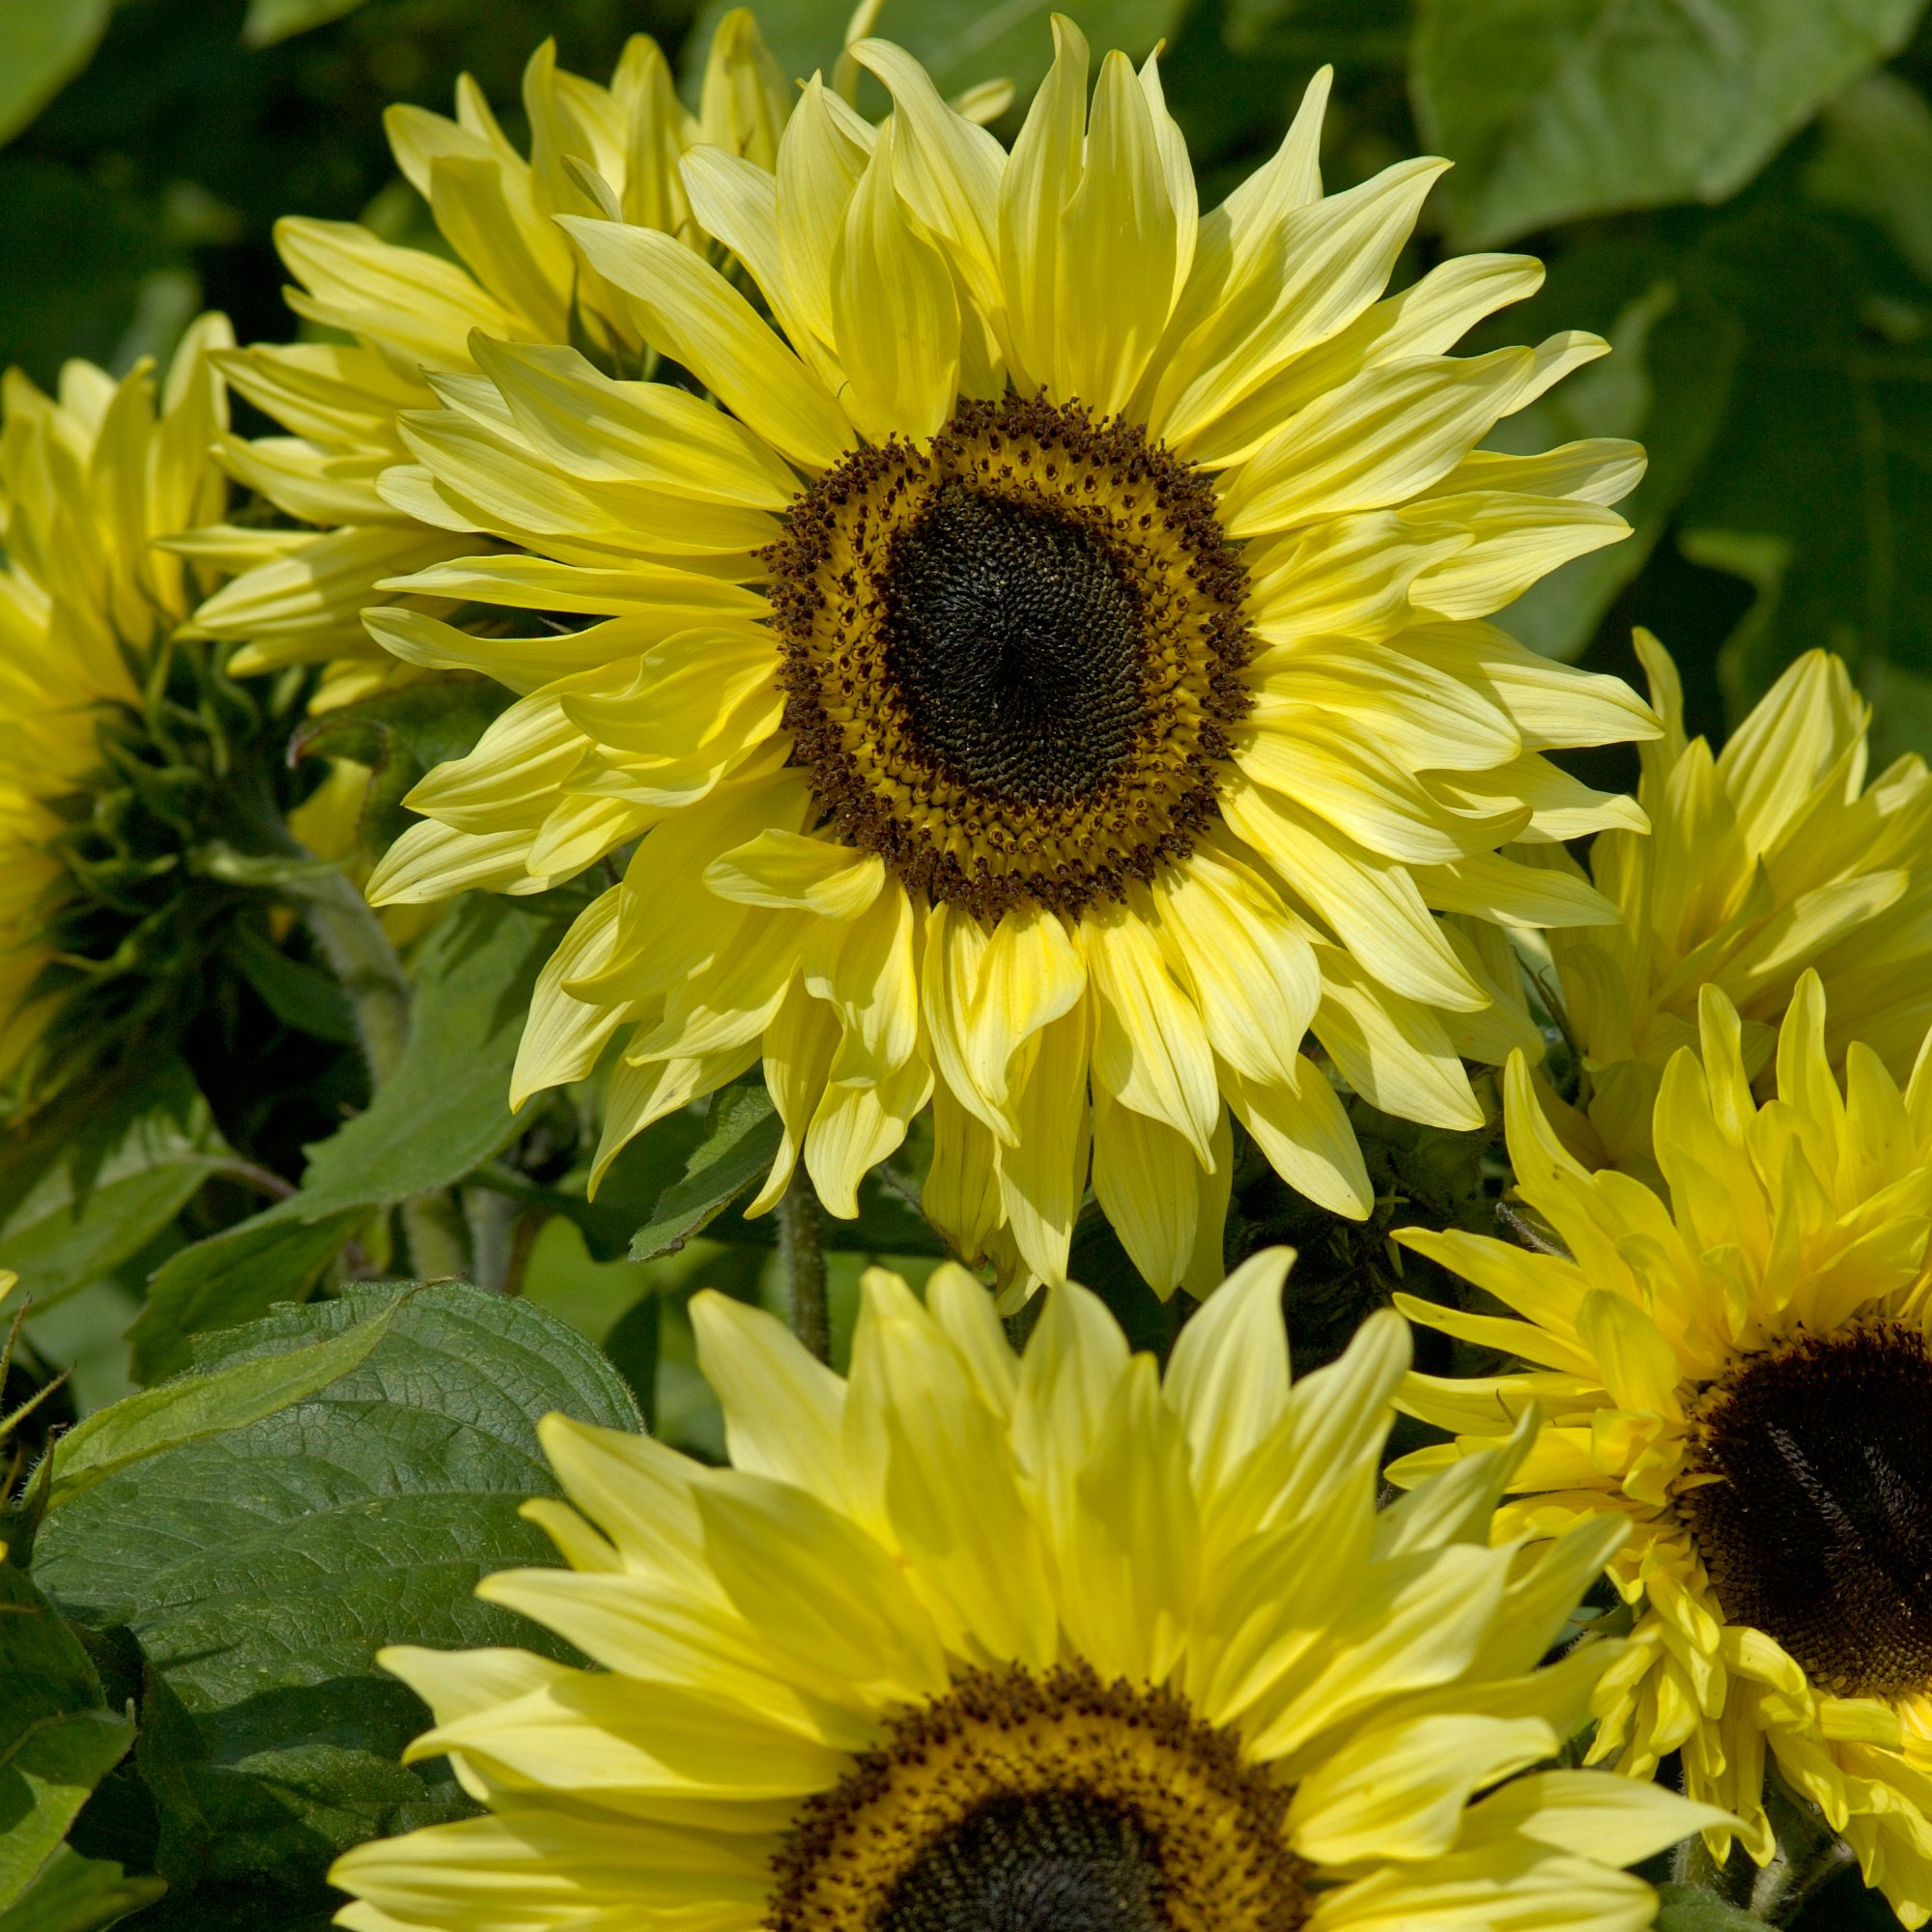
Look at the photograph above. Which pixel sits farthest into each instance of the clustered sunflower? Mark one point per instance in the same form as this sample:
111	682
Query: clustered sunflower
1044	672
297	596
975	1641
1011	643
1742	1373
1772	858
93	484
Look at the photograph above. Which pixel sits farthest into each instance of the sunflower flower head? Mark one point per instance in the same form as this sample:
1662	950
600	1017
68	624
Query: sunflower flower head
1741	1371
97	483
1770	858
1039	1642
594	151
1043	676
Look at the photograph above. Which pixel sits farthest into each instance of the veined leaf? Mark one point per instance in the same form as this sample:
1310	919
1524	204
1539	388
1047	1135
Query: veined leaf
76	1895
93	1179
741	1137
58	1740
447	1110
197	1406
1556	108
259	1569
233	1277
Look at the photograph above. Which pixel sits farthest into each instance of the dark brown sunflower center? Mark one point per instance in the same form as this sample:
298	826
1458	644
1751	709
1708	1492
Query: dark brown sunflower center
1015	637
1049	1862
1818	1526
1013	655
1044	1803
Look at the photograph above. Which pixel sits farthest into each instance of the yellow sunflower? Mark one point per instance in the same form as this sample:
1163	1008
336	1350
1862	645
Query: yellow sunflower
89	479
298	598
1044	666
1773	857
1040	1642
1742	1373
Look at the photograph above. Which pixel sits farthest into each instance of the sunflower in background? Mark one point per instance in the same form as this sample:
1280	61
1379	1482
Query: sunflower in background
298	598
1047	668
93	482
1742	1375
1772	858
972	1636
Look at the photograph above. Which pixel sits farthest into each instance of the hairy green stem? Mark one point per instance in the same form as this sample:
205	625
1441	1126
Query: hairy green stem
801	1253
434	1228
364	963
493	1221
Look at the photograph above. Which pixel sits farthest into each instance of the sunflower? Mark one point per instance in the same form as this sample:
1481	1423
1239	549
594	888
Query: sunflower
89	479
297	597
1042	677
1773	857
1742	1375
970	1640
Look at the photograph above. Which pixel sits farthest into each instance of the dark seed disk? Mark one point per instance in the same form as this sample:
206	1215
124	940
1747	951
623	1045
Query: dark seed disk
1818	1529
1015	638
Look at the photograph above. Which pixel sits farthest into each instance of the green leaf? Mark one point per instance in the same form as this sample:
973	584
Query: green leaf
260	1570
447	1109
186	1410
231	1277
78	1895
1875	160
43	44
57	1738
1687	1908
273	20
1557	108
1817	491
1667	384
88	1184
962	43
300	996
444	1113
741	1139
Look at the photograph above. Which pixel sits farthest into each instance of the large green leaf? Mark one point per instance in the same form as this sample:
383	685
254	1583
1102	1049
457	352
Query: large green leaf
1666	384
78	1895
444	1112
962	43
1556	108
43	44
741	1137
260	1570
1816	491
58	1740
90	1182
1875	160
233	1277
447	1109
185	1410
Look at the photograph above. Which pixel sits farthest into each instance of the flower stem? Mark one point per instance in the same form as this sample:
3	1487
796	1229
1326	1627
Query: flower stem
363	962
802	1251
